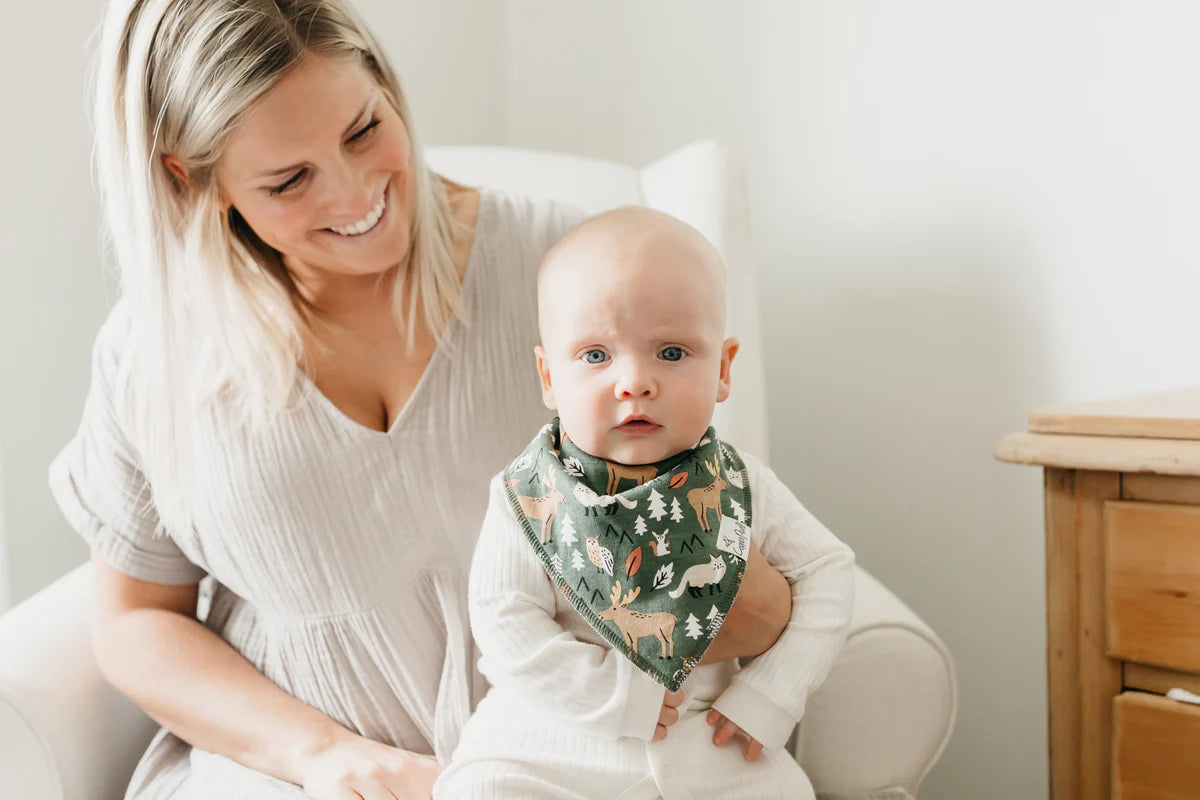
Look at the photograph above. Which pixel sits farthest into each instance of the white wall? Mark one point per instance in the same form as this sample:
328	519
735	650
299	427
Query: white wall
52	289
963	210
53	294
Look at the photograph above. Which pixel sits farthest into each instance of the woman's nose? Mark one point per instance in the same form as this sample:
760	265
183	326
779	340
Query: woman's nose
349	196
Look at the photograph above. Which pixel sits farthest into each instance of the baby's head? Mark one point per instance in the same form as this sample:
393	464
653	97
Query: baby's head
631	308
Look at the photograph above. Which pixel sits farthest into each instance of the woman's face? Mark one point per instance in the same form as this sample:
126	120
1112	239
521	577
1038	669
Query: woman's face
320	167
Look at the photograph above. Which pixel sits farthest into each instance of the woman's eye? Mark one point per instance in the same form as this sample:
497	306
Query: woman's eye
289	183
366	129
671	354
595	356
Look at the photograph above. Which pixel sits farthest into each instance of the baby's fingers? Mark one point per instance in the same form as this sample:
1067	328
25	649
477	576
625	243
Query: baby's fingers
673	699
726	731
753	750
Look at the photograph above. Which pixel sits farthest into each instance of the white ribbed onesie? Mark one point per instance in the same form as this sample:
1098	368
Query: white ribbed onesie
570	718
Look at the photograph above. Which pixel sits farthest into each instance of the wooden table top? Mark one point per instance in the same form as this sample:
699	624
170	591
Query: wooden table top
1156	433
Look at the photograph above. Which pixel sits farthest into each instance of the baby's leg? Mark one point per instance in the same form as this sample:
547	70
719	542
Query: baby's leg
510	749
711	771
774	776
496	779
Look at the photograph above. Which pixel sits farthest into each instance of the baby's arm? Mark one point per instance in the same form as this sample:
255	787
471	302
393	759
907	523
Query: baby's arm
767	698
525	651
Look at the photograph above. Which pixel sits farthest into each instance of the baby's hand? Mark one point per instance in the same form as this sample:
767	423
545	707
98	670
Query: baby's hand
728	730
667	715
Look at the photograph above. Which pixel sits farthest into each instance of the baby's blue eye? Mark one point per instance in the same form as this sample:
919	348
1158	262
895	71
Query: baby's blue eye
595	356
671	354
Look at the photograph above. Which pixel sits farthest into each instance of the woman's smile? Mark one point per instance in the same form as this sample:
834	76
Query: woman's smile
367	228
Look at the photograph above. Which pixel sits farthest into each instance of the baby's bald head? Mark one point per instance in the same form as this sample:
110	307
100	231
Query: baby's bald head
630	245
631	309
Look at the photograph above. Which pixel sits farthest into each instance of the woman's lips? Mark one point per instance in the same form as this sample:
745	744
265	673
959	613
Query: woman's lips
380	224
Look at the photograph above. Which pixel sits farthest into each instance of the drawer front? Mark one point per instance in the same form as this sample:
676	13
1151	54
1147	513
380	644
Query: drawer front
1152	583
1155	747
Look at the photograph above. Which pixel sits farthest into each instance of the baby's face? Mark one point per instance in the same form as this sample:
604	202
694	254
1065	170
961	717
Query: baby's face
633	356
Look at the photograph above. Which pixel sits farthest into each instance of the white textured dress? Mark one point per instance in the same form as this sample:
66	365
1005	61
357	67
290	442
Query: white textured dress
339	553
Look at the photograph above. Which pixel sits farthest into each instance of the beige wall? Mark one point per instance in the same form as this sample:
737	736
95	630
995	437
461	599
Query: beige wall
962	210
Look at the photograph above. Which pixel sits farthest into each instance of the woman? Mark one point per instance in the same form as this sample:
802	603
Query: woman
320	355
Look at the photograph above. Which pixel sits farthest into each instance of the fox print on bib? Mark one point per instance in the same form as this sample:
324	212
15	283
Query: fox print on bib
652	556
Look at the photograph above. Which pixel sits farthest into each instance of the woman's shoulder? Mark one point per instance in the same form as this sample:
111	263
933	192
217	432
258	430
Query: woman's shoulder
525	222
110	348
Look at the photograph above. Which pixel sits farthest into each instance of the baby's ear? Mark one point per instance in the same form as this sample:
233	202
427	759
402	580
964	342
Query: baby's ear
729	349
544	373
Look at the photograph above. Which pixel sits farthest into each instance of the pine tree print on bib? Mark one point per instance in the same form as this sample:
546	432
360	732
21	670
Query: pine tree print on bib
653	568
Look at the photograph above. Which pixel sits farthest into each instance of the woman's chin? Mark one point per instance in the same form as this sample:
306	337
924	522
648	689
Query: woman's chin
358	258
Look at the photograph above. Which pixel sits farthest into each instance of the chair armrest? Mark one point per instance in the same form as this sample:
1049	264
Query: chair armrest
885	713
65	734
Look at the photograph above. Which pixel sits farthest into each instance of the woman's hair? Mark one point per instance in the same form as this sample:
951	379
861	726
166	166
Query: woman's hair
212	310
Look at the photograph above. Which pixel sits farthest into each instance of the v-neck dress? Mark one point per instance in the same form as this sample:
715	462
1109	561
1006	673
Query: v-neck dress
339	554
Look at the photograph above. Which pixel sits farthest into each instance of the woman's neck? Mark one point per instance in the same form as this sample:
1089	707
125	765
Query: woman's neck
342	299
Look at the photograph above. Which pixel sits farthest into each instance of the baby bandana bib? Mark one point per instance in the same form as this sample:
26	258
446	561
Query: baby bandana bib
652	556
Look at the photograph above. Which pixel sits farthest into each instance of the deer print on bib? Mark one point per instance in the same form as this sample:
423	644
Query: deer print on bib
637	549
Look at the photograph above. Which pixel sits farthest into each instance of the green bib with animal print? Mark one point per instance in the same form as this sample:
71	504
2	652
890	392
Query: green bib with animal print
652	556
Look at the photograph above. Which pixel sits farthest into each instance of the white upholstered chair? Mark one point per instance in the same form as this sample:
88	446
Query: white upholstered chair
880	720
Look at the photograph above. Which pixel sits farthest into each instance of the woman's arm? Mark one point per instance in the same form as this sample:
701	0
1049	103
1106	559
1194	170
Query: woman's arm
150	647
768	697
758	616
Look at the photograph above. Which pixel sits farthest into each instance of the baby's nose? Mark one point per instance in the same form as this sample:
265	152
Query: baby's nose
635	383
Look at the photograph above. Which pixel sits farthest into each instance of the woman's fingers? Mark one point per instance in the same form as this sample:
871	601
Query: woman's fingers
374	790
414	777
361	769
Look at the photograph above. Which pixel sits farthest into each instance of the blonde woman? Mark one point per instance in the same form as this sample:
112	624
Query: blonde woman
320	355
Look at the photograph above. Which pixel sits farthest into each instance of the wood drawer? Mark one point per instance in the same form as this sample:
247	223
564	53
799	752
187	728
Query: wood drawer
1155	747
1152	584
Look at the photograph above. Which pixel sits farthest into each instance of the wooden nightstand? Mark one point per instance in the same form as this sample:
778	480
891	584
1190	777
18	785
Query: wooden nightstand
1122	489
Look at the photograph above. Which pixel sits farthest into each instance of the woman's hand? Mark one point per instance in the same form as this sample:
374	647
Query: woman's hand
727	729
759	615
668	715
356	768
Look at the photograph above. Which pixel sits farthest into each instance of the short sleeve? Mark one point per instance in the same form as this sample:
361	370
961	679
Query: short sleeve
100	488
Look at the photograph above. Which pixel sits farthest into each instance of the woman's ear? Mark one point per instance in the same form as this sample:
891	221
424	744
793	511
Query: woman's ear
544	373
176	167
729	349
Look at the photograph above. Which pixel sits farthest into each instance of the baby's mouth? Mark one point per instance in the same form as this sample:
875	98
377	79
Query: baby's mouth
639	424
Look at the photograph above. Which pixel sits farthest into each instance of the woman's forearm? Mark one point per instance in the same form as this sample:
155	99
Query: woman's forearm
191	681
758	616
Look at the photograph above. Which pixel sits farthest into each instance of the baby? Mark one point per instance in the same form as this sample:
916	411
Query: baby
614	545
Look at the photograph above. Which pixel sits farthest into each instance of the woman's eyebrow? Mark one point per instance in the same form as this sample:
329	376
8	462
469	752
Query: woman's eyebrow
366	107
